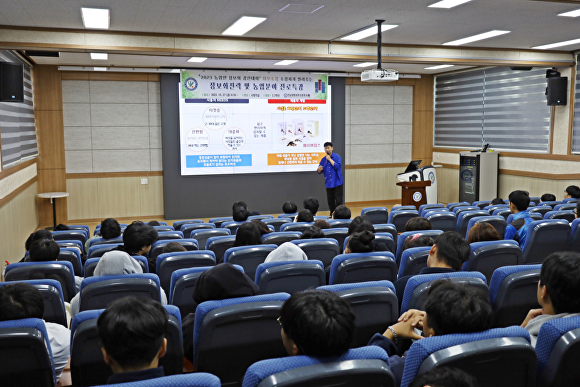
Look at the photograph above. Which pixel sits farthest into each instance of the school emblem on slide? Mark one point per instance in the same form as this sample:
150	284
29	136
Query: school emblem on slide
190	84
417	196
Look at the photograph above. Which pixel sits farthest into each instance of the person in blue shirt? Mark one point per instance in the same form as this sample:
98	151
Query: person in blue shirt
517	229
330	166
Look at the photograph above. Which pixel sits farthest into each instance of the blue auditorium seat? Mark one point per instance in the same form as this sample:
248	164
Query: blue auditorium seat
157	247
177	225
218	221
459	209
73	256
339	223
169	262
187	229
481	204
570	200
260	217
363	267
451	206
401	217
464	217
232	226
498	222
567	215
413	260
401	240
322	249
297	226
288	215
339	234
541	210
486	257
97	251
442	221
201	236
277	222
169	235
565	206
493	207
289	276
25	270
574	241
402	208
278	238
550	203
163	228
79	235
377	215
429	211
544	237
424	207
249	257
380	237
69	243
102	241
386	227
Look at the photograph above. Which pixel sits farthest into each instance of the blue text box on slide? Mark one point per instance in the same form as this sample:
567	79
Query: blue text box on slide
217	161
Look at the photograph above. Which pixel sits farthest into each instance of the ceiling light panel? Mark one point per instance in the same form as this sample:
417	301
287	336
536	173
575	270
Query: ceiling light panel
285	62
448	3
99	56
559	44
243	25
365	64
475	38
98	18
438	67
196	59
100	68
301	8
575	13
370	31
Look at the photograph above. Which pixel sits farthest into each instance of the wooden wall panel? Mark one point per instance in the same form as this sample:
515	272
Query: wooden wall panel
50	139
151	196
118	197
47	87
448	185
372	184
423	119
83	199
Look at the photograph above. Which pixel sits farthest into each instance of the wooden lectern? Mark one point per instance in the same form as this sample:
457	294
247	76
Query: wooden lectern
414	192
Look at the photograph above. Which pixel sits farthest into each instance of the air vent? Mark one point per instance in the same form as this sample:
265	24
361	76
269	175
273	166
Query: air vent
301	8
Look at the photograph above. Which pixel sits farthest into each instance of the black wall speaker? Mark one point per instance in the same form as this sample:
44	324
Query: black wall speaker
557	91
11	82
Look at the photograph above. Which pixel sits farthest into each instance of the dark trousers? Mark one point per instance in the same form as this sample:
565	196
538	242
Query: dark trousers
335	197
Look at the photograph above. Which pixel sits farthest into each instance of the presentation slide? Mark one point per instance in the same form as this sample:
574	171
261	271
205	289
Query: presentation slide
234	122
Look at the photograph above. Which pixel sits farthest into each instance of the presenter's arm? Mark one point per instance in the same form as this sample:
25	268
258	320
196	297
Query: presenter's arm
336	163
320	167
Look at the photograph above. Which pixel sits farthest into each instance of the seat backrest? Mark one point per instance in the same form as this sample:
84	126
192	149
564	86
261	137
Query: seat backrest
570	200
232	226
567	215
98	292
80	227
413	260
498	222
493	207
277	222
278	238
51	291
102	241
320	217
69	243
374	305
292	215
295	370
387	227
260	217
550	203
157	247
574	241
486	257
87	365
451	206
337	233
558	349
289	276
177	225
424	207
25	270
78	235
400	218
564	207
506	212
169	235
513	292
237	332
384	238
459	209
464	217
434	210
377	215
297	226
249	257
442	221
418	286
322	249
73	256
481	204
186	229
543	238
97	251
219	221
402	208
506	352
339	223
401	240
164	228
363	267
26	354
169	262
201	236
541	209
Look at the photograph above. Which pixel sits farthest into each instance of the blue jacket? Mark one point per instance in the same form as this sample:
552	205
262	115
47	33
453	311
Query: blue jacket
332	174
397	362
518	228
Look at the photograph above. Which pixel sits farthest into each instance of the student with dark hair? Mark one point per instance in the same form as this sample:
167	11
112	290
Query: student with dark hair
312	232
341	212
416	240
44	251
137	239
61	227
304	216
444	377
132	332
449	308
330	166
362	223
316	323
311	204
241	215
322	224
517	229
447	255
482	232
572	192
110	228
558	291
418	224
289	208
262	227
154	223
241	206
221	282
20	300
360	242
248	234
497	201
548	198
36	236
173	247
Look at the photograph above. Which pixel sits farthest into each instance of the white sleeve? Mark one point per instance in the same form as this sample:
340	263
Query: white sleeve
163	296
59	338
75	305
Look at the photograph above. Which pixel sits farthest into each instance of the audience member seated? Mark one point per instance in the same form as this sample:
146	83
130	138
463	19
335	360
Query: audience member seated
287	252
519	202
237	206
241	215
248	234
20	300
137	240
110	228
360	242
447	255
548	198
416	240
497	201
316	323
558	291
444	377
132	332
322	224
61	227
173	247
35	236
289	208
312	232
482	232
312	205
154	223
113	263
572	192
47	250
221	282
418	224
341	212
362	223
304	216
262	227
449	308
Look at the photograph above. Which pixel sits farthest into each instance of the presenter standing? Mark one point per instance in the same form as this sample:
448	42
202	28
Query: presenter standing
330	165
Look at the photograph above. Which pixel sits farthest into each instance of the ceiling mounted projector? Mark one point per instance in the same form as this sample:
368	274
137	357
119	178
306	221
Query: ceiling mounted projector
379	74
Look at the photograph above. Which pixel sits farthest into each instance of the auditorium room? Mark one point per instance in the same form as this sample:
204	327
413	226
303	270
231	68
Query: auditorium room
260	193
